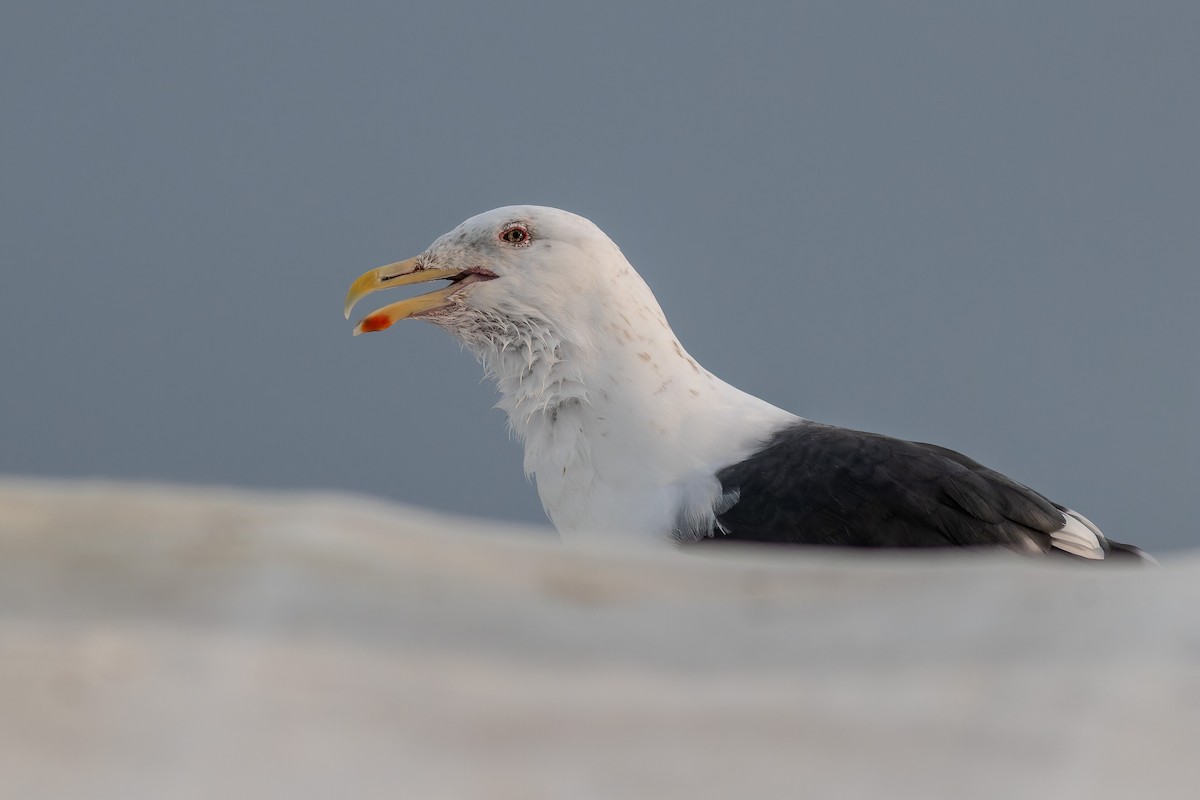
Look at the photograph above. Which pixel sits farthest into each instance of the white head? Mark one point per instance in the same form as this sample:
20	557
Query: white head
516	272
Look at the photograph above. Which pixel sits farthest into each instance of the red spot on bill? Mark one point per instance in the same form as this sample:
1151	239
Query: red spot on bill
375	322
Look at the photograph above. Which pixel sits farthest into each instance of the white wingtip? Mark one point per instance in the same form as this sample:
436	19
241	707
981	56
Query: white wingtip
1078	536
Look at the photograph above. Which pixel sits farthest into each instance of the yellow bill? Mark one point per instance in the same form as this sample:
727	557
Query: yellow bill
401	273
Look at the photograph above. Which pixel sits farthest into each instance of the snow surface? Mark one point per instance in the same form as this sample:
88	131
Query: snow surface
196	643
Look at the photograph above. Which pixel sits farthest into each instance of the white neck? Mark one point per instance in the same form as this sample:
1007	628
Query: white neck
623	436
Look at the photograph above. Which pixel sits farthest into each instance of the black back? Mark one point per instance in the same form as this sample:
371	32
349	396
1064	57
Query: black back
824	485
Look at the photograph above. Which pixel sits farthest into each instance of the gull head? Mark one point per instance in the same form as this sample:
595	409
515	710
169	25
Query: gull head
511	272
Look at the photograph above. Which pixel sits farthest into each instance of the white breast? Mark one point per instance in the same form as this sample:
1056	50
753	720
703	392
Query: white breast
624	441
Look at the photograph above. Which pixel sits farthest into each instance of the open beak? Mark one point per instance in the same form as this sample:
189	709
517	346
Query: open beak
401	273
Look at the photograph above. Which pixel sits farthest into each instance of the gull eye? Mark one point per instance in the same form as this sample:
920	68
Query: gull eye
515	234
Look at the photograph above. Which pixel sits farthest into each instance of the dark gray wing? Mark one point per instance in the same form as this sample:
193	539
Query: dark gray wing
824	485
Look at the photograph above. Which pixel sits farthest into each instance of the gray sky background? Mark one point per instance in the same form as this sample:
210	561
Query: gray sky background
976	225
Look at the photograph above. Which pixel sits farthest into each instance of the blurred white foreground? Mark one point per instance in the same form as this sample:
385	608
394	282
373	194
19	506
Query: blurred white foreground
172	643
